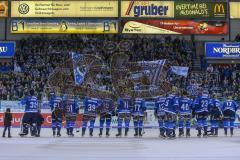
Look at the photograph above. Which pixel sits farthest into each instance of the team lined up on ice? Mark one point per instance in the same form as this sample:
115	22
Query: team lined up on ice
172	112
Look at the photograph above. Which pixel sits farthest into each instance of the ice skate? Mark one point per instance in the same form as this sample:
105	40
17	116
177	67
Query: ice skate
162	135
107	132
181	134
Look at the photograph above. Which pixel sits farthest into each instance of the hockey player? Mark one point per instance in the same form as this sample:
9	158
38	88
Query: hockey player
171	104
124	114
57	114
91	106
40	121
185	114
229	109
160	113
215	115
201	109
138	113
70	108
106	112
30	115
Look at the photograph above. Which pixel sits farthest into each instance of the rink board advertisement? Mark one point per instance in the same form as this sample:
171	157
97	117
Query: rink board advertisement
64	26
235	10
200	9
219	50
17	118
157	9
150	122
3	9
7	49
84	8
174	27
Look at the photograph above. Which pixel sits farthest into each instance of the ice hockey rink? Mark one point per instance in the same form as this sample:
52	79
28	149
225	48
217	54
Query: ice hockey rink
148	147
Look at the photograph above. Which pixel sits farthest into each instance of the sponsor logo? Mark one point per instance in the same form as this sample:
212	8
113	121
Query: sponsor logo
227	49
223	50
219	10
147	10
7	49
3	50
23	8
2	9
133	27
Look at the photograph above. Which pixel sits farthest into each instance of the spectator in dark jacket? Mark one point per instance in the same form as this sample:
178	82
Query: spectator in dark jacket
40	121
7	122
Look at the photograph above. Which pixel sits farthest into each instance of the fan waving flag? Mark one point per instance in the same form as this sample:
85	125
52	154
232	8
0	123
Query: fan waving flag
181	71
79	73
154	67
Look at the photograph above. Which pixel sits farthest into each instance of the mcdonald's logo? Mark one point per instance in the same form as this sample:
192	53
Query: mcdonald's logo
219	9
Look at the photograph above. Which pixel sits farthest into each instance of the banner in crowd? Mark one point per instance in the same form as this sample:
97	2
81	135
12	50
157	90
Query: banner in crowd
82	8
218	50
174	27
64	26
3	9
79	72
153	69
235	10
10	104
181	71
200	9
7	49
160	9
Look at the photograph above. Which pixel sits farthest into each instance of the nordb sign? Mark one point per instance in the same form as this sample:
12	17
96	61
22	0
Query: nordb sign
7	49
218	50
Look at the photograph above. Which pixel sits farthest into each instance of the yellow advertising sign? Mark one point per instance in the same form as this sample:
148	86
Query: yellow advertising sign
68	26
3	8
235	10
161	9
62	8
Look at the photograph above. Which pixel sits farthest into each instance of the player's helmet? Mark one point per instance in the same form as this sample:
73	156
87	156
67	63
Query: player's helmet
215	95
138	99
184	93
229	97
52	93
205	93
31	92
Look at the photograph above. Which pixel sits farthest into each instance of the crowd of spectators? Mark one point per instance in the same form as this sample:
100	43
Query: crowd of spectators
237	39
36	58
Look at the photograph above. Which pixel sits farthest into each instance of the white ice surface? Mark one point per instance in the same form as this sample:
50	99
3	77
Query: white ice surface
148	147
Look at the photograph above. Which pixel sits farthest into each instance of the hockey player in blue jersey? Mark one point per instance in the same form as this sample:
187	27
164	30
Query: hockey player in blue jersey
57	114
138	113
91	107
124	114
106	111
229	110
185	114
160	113
215	115
171	106
201	109
70	109
30	114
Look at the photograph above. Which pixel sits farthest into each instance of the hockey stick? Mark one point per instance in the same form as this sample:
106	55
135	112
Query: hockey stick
77	128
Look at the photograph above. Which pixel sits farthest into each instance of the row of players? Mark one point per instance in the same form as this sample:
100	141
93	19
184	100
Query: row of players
168	109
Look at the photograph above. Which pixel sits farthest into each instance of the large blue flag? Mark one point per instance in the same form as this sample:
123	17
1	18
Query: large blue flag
181	71
79	73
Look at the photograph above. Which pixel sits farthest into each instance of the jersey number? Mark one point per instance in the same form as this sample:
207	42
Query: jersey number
185	107
33	105
91	108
